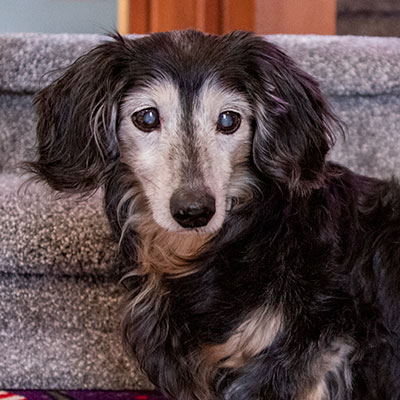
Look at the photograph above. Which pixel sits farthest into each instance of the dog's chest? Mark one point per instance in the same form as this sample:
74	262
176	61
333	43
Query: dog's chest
220	327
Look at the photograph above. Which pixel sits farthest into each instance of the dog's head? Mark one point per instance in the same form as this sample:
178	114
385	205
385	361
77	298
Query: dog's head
194	118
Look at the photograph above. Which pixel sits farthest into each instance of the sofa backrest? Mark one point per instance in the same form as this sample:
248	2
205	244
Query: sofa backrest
26	65
360	76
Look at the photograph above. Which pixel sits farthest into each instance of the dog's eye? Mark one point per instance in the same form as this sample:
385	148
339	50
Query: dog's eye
228	122
146	120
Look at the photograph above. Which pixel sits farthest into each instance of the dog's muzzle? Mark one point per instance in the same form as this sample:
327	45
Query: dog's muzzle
192	208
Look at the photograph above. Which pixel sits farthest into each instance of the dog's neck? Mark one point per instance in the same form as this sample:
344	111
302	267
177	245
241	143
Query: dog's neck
163	252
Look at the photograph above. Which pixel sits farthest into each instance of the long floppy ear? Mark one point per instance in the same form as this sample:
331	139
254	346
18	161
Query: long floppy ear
77	120
293	121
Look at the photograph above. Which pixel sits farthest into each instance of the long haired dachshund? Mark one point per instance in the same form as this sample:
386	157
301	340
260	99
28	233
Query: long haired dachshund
257	269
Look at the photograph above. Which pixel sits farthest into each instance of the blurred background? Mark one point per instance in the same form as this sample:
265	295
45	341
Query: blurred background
342	17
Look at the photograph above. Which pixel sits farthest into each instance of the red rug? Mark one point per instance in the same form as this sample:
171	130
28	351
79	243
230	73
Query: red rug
78	395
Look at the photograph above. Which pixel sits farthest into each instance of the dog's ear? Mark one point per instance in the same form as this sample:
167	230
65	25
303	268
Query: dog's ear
293	121
77	120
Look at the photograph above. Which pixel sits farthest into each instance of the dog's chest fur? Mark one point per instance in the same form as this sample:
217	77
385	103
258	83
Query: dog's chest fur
218	345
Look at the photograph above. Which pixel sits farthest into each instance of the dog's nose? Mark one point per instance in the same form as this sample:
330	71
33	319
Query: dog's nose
192	209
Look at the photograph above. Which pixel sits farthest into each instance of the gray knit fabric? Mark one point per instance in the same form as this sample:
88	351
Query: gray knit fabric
372	128
59	291
29	60
17	127
69	237
361	77
62	332
346	65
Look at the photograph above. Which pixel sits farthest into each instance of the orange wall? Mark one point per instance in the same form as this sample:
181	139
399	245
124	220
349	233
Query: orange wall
221	16
295	16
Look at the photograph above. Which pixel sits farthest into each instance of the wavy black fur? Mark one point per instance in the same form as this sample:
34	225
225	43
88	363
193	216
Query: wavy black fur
317	241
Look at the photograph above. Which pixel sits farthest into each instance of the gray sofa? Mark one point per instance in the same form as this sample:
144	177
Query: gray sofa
59	290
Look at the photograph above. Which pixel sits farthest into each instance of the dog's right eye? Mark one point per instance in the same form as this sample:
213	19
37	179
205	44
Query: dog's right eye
228	122
146	120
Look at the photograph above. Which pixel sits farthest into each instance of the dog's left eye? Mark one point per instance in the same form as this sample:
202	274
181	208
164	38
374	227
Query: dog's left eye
146	120
228	122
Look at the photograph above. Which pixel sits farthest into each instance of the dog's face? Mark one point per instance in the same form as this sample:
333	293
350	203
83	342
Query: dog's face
185	147
195	118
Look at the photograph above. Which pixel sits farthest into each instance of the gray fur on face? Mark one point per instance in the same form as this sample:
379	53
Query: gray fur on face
187	150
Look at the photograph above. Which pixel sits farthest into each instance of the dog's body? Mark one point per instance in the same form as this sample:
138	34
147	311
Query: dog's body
259	270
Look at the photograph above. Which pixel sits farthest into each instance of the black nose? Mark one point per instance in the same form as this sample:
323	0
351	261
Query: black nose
192	209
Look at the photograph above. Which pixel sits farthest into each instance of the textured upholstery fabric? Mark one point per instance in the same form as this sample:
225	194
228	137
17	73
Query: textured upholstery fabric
59	291
69	236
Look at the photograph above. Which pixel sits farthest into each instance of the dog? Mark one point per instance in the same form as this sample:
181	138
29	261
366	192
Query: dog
256	269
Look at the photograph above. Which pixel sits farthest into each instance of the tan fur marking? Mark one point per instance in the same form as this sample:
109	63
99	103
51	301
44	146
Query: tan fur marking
163	252
333	361
319	392
252	336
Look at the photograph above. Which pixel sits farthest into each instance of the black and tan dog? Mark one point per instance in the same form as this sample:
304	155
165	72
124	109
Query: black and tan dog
258	269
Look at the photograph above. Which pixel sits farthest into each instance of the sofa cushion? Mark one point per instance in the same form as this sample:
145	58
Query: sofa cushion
63	332
345	65
27	60
42	235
